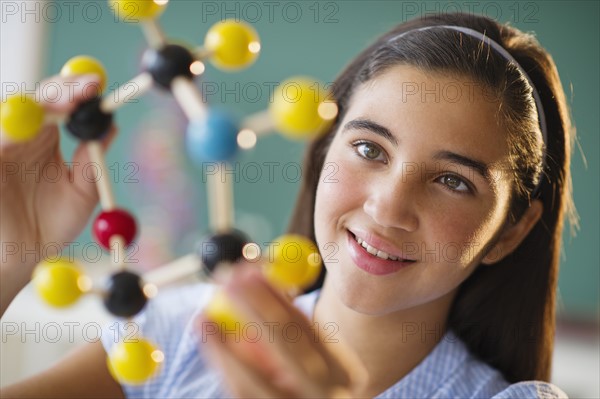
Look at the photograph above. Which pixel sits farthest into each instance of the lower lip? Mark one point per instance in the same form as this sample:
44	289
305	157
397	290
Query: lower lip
373	264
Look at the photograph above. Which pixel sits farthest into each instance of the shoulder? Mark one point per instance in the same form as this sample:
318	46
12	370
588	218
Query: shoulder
453	371
449	371
480	380
463	374
531	389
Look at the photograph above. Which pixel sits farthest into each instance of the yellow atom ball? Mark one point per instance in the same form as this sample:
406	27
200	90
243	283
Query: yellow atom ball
221	311
136	10
58	283
233	45
294	262
134	361
83	64
21	117
300	108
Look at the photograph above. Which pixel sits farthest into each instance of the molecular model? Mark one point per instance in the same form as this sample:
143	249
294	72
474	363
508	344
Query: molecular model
211	136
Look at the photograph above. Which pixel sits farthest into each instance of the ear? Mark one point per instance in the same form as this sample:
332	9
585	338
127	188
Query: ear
514	234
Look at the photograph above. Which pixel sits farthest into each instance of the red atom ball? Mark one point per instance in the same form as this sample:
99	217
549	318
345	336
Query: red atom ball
114	222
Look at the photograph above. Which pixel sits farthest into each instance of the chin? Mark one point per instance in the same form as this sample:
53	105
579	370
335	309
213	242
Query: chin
356	294
369	307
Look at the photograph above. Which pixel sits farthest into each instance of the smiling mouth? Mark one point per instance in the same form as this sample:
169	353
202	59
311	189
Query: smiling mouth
377	252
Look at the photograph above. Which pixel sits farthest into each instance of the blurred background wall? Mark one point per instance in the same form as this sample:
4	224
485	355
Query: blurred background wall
154	179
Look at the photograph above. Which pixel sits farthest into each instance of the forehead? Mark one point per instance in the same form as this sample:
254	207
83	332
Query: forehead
435	108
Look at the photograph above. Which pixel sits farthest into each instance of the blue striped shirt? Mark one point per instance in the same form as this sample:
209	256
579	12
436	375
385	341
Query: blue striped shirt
449	371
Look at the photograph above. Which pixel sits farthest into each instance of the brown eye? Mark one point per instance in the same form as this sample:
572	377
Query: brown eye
454	183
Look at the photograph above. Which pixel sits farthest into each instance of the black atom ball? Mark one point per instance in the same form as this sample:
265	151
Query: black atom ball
124	295
167	63
88	121
225	247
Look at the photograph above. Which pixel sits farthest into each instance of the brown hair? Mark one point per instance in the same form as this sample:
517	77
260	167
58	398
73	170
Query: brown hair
504	312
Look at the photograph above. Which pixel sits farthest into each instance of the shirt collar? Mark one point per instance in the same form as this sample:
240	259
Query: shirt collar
423	380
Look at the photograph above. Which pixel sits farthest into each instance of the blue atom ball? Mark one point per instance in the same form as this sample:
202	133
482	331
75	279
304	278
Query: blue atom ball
213	139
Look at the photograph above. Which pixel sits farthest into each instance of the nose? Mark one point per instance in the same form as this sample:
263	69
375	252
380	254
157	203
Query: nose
393	205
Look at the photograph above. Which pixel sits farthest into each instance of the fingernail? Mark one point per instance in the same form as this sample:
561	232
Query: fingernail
89	76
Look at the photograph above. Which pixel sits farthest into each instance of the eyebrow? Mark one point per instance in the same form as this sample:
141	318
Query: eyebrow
366	124
369	125
481	167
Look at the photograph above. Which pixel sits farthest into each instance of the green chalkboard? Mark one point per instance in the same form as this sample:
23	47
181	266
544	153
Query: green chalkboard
317	38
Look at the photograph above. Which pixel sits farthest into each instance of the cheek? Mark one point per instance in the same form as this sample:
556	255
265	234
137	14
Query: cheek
461	234
338	195
338	183
334	195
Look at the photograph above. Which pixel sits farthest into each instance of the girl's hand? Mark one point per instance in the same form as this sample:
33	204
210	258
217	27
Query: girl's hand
278	354
44	202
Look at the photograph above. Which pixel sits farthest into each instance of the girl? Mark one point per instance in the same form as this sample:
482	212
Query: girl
437	200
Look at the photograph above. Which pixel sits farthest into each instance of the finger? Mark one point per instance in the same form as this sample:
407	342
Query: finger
254	352
109	138
36	149
60	94
294	344
320	362
242	377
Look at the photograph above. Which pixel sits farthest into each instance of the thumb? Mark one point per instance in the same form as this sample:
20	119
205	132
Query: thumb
57	95
62	94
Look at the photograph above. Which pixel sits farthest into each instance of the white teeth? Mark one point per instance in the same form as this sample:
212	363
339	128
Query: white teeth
374	251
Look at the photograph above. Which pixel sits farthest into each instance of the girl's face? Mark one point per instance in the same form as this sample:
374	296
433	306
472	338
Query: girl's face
415	172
